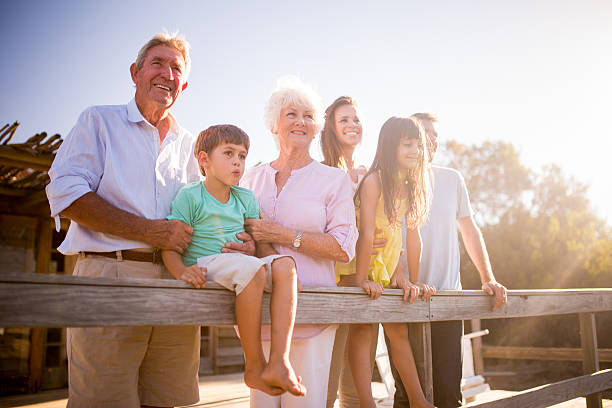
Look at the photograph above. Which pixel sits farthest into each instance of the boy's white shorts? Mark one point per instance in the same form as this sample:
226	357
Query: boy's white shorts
234	271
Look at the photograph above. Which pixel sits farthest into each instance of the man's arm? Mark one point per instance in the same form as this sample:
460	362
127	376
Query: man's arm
477	250
95	213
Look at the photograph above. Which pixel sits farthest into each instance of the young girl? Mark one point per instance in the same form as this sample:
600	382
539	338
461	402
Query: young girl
396	186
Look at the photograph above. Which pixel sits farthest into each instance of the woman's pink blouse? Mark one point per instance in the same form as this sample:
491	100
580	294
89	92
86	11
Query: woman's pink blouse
317	199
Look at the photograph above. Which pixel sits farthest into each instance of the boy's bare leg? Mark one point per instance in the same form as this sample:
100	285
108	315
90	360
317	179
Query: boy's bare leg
403	359
249	325
283	305
359	343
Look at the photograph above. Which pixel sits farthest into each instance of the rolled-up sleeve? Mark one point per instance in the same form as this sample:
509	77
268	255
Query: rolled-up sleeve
341	223
78	165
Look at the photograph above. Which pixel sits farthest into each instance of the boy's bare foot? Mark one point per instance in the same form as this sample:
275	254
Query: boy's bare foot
281	375
252	378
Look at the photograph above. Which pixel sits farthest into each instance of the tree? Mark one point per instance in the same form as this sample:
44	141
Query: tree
540	233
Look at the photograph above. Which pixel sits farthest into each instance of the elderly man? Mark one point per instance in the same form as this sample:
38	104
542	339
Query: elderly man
450	210
115	177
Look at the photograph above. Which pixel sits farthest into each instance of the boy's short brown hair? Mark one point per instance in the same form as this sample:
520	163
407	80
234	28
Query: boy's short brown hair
215	135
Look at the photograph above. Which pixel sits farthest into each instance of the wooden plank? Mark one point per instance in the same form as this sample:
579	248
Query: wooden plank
590	360
477	349
22	221
34	199
541	353
420	341
550	394
40	305
475	304
43	257
58	300
69	264
14	158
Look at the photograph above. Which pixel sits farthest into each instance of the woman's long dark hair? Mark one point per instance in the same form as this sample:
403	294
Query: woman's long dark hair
330	145
385	165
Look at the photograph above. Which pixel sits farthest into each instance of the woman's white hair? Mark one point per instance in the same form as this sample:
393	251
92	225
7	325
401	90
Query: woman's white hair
290	90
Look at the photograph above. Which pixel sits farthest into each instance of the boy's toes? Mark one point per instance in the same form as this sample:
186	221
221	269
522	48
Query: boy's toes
299	389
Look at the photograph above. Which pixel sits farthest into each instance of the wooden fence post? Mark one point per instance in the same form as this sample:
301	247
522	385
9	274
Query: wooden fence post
420	341
477	349
37	338
590	359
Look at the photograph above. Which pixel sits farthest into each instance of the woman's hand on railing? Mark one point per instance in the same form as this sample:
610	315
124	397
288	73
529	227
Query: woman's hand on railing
427	291
411	291
373	289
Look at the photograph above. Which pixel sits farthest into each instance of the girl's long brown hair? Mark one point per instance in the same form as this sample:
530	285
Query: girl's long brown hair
330	146
385	165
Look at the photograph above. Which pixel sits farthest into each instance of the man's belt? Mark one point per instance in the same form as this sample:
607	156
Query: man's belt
128	255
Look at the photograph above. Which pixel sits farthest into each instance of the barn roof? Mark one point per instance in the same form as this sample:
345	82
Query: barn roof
23	171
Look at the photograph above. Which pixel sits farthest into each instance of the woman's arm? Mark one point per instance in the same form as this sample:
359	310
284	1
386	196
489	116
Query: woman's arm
318	245
368	200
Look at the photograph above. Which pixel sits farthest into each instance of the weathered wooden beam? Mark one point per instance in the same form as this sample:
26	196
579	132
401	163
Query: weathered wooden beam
57	300
470	304
34	199
15	192
24	221
541	353
477	349
14	158
590	360
550	394
37	338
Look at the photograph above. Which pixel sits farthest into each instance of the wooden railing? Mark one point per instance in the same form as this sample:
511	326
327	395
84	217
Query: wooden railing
35	300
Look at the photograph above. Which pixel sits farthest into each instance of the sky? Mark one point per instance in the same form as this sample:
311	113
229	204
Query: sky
534	73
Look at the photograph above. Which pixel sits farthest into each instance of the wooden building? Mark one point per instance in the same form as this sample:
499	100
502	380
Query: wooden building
36	357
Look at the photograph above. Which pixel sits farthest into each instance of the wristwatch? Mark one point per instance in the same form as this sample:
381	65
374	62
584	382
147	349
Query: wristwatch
297	241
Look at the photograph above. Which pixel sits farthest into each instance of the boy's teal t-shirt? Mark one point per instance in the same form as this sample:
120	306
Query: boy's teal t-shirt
213	223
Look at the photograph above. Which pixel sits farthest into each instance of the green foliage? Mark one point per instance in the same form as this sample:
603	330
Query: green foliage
538	226
540	234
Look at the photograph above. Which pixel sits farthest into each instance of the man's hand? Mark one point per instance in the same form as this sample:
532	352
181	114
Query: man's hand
170	234
247	246
498	290
411	291
373	289
427	291
194	275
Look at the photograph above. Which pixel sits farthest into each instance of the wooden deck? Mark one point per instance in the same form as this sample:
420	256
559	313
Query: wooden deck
228	391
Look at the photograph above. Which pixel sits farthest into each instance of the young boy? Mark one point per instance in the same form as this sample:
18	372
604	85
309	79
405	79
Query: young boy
216	209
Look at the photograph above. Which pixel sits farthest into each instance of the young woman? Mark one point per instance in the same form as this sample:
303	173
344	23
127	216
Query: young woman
396	186
340	137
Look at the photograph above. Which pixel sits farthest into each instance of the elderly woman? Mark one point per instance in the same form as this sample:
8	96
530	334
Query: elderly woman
314	225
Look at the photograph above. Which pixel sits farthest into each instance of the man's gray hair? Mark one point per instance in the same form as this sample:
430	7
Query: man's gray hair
174	40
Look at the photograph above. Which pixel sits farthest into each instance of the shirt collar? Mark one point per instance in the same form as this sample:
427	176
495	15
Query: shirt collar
134	115
133	112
